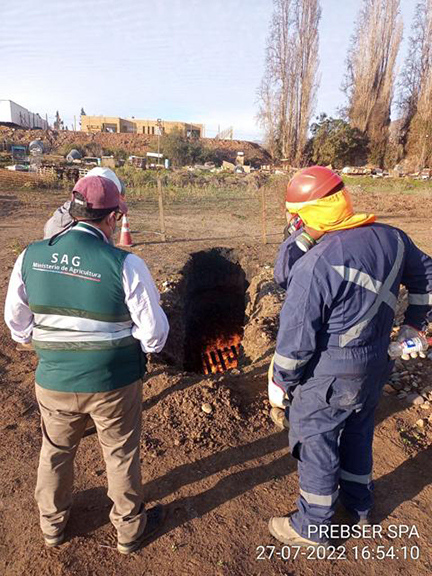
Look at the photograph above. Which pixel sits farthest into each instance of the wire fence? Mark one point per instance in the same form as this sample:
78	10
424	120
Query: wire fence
175	214
165	212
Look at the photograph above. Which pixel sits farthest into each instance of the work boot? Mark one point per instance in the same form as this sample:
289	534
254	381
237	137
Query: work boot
278	417
362	518
282	530
357	517
155	518
53	541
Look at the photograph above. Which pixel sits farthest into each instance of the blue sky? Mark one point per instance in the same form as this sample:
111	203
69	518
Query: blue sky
190	60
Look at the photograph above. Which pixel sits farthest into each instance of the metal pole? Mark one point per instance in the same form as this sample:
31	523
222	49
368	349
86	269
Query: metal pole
161	210
263	216
159	126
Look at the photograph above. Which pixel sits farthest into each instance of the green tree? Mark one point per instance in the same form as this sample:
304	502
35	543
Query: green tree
335	142
183	150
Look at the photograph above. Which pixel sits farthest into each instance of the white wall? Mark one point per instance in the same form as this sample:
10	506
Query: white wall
5	111
12	112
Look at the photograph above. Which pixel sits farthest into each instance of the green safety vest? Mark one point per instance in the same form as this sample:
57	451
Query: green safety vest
82	330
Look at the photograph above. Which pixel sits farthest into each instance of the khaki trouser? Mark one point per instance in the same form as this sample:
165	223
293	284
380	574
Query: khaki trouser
117	417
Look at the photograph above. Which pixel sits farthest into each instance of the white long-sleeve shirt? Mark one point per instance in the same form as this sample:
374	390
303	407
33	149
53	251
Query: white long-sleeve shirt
150	324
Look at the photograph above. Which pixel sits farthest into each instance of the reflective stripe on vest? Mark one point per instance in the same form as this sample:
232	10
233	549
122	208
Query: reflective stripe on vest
382	290
76	323
420	299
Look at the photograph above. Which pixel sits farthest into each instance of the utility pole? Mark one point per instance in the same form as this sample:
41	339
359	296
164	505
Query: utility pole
159	131
159	184
161	210
263	216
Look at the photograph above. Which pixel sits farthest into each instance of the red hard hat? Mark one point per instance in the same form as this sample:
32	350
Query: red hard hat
311	184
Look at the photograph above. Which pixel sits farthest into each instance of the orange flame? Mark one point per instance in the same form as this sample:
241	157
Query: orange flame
221	354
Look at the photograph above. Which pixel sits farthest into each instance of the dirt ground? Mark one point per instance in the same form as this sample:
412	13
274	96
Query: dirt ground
221	475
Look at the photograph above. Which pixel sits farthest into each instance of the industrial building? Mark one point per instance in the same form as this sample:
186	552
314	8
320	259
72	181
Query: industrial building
12	114
136	126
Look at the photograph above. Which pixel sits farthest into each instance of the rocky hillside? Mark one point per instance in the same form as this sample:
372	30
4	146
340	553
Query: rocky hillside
139	144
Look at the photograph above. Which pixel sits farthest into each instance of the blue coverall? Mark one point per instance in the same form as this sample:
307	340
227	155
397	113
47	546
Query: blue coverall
331	356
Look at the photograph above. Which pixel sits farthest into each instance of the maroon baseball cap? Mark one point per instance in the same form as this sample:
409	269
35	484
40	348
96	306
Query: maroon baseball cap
100	194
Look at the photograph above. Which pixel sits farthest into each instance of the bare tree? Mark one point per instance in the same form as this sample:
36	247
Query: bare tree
287	92
58	122
420	134
370	74
419	59
416	87
267	116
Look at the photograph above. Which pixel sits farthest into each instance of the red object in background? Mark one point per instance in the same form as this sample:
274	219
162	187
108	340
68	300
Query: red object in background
125	234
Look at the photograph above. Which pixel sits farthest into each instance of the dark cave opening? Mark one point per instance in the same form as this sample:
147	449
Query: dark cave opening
214	311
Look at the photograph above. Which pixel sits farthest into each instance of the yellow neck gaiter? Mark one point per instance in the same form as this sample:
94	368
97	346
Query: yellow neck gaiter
334	212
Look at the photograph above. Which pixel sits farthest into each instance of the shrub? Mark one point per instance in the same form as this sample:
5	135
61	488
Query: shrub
335	142
93	149
118	153
183	150
136	177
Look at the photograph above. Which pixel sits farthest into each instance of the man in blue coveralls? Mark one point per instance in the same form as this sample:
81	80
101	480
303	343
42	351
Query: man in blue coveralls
342	273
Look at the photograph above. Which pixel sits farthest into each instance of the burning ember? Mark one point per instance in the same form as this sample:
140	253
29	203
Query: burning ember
213	312
221	354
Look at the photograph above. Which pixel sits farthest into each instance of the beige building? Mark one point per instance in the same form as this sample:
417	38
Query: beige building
136	126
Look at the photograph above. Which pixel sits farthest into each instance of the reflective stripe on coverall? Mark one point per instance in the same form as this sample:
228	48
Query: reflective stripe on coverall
331	356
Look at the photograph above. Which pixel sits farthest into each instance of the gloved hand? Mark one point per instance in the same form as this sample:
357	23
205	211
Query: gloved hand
405	333
276	395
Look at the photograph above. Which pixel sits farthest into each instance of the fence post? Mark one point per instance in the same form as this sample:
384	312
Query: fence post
161	210
263	216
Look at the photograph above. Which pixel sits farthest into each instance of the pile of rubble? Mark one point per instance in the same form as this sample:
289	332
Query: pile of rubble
140	144
396	172
264	302
407	383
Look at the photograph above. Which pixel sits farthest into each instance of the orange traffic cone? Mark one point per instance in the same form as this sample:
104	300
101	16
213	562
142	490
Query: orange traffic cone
125	234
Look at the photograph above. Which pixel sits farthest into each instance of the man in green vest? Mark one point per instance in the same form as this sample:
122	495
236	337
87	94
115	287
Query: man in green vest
92	313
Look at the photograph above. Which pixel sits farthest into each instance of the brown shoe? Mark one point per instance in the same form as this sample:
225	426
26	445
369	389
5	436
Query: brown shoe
282	530
155	519
53	541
